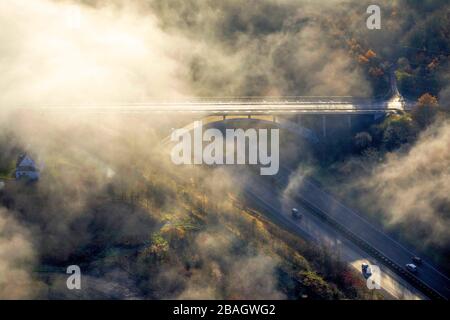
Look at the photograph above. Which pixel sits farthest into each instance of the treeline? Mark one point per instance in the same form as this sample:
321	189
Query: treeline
400	130
202	238
414	40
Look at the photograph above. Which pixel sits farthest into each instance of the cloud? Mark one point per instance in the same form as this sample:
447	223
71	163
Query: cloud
237	274
413	188
17	259
263	48
254	278
64	53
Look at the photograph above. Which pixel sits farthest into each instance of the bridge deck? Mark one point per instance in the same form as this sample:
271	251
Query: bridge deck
244	106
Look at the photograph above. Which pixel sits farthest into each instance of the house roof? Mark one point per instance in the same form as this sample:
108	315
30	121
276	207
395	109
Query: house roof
27	162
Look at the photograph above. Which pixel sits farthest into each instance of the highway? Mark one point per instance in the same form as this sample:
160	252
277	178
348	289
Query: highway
311	199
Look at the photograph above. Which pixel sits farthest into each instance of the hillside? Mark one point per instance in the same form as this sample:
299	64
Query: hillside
157	231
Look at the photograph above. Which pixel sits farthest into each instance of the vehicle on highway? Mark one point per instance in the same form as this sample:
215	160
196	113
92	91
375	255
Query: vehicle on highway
411	267
366	270
296	214
417	260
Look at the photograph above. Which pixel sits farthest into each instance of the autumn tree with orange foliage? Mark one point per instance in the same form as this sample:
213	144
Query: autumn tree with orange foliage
362	59
370	54
428	100
425	110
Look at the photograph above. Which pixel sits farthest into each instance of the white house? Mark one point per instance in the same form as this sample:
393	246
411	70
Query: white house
26	169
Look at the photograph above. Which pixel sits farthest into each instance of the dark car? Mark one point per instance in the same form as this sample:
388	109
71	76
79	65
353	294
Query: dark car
366	270
296	214
417	260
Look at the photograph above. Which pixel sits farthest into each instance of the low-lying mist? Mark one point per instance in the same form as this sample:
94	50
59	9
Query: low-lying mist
96	52
106	181
108	184
412	188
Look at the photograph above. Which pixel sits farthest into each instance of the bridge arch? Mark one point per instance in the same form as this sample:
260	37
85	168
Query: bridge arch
287	125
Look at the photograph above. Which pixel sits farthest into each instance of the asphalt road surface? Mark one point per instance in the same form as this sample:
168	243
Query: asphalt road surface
262	191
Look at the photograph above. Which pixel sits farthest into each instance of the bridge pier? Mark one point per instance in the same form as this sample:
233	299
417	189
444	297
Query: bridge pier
324	126
349	122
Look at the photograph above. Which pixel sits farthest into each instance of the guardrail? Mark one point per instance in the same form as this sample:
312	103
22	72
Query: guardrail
225	105
416	282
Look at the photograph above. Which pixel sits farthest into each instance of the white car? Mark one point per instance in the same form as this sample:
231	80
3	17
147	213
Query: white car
411	267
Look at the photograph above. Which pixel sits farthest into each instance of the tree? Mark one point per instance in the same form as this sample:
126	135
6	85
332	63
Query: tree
362	59
316	287
425	110
427	100
397	130
370	54
404	65
157	251
175	234
362	140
